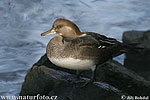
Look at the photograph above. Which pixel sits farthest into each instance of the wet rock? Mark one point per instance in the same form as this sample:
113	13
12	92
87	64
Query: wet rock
47	81
44	78
140	37
126	80
138	61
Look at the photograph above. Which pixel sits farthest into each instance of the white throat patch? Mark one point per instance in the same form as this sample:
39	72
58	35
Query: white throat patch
83	35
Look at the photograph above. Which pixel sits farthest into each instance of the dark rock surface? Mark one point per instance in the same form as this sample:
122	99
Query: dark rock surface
140	37
138	61
44	78
128	81
47	81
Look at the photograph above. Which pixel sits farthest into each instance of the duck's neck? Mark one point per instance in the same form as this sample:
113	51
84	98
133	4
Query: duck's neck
73	36
66	39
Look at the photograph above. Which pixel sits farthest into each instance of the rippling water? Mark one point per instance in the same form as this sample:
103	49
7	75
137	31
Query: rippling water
22	21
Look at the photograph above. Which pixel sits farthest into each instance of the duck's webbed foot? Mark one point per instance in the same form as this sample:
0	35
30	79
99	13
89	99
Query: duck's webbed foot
78	74
92	79
87	82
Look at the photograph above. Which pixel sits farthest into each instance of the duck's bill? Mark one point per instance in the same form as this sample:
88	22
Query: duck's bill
52	31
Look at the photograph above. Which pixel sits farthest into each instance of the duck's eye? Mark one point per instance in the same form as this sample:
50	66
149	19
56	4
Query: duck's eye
59	26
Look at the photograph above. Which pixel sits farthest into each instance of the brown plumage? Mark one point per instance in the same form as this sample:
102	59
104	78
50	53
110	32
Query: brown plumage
78	47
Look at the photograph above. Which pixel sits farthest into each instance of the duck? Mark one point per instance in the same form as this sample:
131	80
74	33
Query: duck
76	50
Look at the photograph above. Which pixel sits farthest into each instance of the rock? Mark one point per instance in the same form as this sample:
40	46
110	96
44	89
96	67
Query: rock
138	61
44	78
140	37
47	81
126	80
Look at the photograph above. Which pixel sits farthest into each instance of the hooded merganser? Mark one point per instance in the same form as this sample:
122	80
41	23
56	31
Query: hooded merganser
77	50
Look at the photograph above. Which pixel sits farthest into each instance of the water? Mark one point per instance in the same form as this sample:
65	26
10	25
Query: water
22	21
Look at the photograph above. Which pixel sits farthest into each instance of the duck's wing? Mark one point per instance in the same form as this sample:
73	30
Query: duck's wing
96	46
86	47
110	47
103	40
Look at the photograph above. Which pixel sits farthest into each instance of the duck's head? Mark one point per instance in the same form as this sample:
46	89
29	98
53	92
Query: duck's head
64	28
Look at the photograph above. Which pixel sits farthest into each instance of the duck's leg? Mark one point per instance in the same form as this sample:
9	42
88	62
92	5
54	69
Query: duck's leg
92	79
78	73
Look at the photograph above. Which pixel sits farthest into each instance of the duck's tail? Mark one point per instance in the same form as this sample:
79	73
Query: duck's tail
131	47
